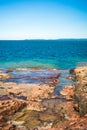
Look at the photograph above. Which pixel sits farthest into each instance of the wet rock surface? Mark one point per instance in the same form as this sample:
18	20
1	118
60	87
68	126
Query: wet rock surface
39	76
4	76
34	106
7	109
14	97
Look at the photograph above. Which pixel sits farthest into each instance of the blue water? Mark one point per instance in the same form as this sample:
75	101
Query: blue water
60	54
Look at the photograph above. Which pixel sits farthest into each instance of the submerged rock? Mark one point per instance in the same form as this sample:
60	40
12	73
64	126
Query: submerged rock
39	76
5	97
30	119
56	110
4	76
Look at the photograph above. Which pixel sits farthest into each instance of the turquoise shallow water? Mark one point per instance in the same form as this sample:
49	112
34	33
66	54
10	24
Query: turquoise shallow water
60	54
48	57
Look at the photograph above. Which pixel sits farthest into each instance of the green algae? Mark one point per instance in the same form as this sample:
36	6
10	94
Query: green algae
54	111
57	123
30	118
27	114
21	118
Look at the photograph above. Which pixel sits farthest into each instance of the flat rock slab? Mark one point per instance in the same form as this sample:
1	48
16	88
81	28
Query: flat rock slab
3	91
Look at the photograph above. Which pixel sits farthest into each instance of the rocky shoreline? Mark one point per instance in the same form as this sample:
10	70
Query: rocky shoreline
34	106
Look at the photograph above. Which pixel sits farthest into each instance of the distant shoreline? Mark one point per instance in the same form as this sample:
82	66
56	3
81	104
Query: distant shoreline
60	39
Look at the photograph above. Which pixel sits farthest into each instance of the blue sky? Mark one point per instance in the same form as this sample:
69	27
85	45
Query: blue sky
43	19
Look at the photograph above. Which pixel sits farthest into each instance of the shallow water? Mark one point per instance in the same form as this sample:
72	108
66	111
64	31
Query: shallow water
62	54
63	81
40	76
32	76
5	97
43	58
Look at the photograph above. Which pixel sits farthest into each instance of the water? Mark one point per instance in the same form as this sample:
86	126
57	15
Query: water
46	57
63	81
33	76
59	54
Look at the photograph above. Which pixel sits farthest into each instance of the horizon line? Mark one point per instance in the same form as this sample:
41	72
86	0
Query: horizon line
43	39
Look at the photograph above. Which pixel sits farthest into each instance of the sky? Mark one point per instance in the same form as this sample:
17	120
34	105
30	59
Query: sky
43	19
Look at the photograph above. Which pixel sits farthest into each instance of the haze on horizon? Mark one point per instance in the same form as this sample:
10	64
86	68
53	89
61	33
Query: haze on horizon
43	19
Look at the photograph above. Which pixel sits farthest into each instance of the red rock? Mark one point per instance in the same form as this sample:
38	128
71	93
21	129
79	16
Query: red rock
76	107
81	89
68	92
9	109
